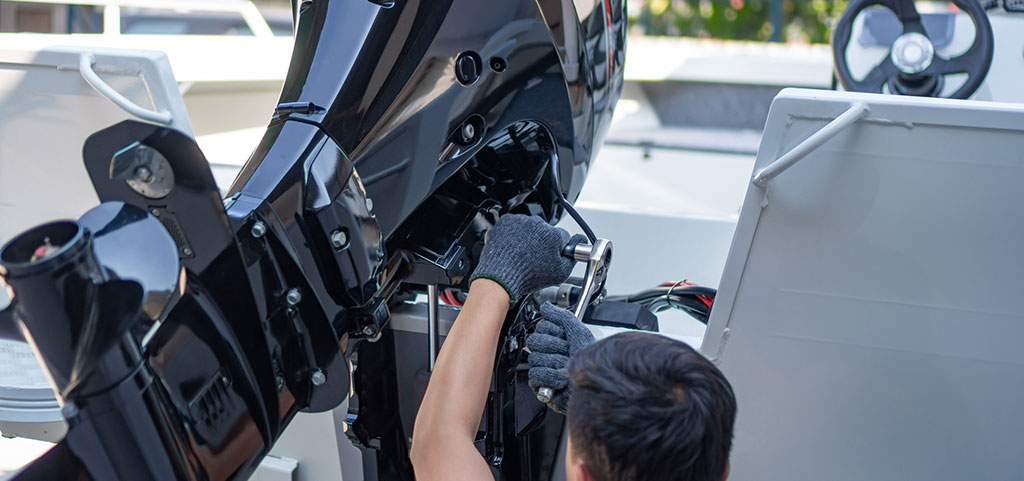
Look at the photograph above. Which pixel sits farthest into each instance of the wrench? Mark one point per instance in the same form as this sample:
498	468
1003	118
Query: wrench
597	256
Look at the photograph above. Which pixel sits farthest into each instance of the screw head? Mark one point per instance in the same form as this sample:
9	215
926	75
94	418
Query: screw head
318	378
339	239
259	229
186	251
369	204
280	383
294	296
368	330
143	174
468	132
155	212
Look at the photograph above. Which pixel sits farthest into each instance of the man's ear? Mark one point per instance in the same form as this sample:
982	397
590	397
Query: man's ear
725	475
580	472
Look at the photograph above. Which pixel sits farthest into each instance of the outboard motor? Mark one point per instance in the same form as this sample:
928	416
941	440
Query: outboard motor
182	331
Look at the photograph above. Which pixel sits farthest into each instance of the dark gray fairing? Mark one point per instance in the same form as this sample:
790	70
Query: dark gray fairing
185	331
381	82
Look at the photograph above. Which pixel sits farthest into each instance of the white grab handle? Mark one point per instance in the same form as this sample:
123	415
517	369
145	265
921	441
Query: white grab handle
85	62
857	111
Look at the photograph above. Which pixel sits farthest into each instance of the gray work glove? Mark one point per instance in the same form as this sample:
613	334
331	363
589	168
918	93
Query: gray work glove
557	338
524	255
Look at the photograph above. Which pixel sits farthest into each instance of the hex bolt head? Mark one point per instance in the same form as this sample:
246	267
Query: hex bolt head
259	229
369	204
294	296
187	252
339	239
280	383
318	378
143	174
368	330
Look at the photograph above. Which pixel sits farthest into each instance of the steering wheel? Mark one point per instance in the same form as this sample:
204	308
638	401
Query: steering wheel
912	67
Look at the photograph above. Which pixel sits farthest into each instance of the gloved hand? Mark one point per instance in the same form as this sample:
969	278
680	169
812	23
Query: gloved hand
524	255
558	337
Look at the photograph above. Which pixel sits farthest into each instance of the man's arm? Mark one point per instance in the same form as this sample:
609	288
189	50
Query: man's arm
449	416
522	255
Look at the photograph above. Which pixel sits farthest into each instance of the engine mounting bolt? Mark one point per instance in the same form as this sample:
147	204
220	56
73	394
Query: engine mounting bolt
259	229
339	239
294	296
143	174
318	377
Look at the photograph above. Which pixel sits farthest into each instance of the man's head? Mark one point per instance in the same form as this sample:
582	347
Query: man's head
645	408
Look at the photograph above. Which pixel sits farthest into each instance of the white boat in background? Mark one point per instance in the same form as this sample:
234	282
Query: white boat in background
228	56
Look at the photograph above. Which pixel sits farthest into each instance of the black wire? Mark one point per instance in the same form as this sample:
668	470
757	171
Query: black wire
578	218
553	167
682	297
663	291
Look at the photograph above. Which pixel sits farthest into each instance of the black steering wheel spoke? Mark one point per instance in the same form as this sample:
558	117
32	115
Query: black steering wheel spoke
960	64
907	14
877	77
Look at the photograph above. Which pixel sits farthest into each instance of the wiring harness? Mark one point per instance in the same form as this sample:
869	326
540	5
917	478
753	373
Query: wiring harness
683	295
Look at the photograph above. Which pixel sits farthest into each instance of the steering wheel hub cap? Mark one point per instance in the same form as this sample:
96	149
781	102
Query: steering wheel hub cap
912	53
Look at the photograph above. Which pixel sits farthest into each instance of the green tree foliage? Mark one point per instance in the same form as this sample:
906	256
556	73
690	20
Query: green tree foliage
801	20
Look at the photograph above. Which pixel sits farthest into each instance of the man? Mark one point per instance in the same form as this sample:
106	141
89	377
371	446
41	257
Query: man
640	406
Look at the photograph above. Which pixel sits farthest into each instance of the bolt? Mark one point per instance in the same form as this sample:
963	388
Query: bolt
294	296
545	394
187	252
280	383
318	377
369	204
338	239
368	330
468	132
155	212
143	174
461	263
259	229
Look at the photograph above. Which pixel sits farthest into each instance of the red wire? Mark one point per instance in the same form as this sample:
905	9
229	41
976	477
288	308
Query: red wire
448	297
707	300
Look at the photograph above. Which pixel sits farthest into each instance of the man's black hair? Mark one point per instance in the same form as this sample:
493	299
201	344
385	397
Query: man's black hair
649	408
